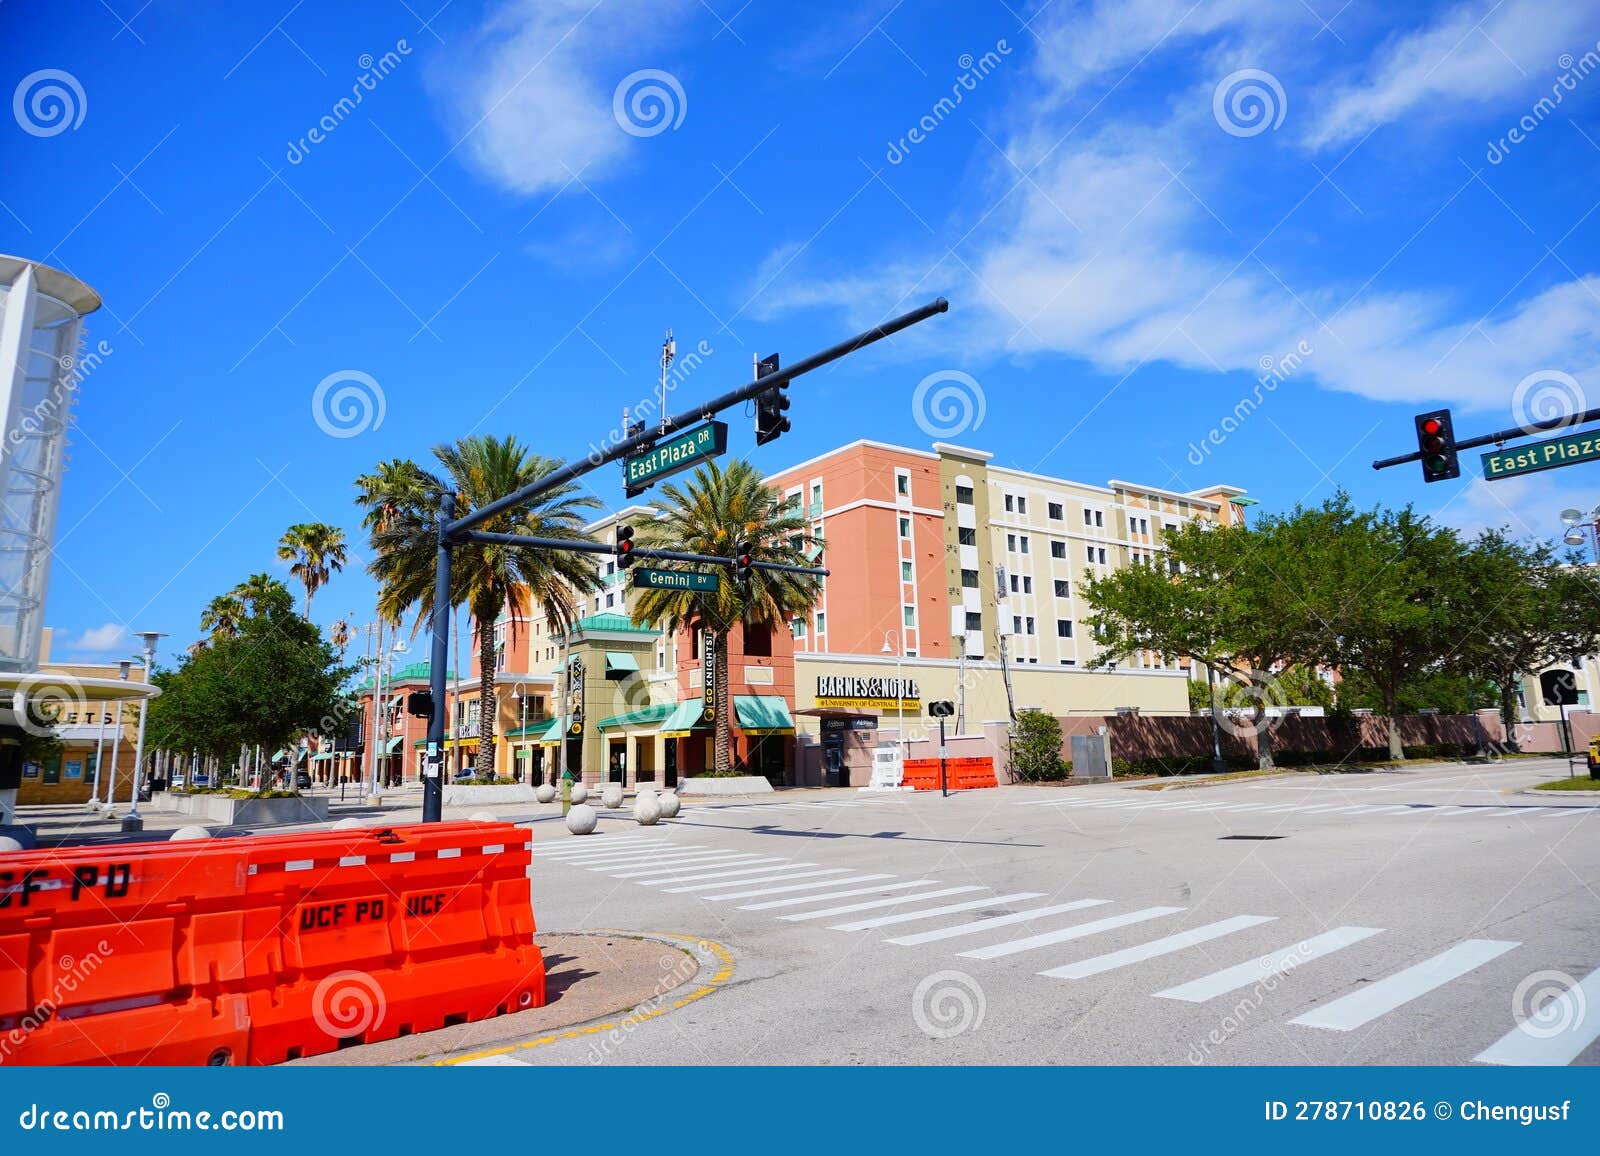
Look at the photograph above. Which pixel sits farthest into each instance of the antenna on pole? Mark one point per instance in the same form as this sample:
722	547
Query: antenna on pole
669	352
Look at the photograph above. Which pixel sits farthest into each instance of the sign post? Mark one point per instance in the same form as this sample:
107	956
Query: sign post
694	580
1546	455
942	710
674	454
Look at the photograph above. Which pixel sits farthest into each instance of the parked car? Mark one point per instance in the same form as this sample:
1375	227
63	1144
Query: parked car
202	778
302	780
177	782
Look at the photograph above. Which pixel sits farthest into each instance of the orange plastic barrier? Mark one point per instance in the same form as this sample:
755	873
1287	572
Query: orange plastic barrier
263	948
960	774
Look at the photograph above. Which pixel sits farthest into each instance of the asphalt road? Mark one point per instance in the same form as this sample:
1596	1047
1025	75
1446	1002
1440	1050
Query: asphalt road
1430	915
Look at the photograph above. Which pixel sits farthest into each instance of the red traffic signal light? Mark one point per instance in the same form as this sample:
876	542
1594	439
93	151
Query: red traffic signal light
624	546
1436	444
743	561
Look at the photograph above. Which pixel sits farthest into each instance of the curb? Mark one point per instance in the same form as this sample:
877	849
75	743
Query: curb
707	954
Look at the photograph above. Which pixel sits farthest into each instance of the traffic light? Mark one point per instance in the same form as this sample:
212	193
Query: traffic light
624	547
770	422
1436	441
743	560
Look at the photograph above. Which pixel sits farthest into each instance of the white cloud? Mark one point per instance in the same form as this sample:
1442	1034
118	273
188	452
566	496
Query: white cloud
1473	56
102	639
531	91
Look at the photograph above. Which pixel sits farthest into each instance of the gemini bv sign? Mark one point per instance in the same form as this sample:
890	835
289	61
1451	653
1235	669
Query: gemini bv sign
1545	455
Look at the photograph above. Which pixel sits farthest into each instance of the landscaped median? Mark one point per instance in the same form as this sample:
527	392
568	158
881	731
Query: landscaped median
1581	785
240	808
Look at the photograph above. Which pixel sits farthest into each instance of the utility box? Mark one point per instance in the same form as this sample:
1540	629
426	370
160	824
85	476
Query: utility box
888	767
1091	756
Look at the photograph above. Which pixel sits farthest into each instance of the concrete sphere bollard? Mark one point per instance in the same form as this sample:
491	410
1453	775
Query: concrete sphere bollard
545	793
646	810
193	831
348	825
582	819
7	843
483	817
611	797
580	793
670	804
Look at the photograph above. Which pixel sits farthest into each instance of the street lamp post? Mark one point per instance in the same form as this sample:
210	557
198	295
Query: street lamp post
133	821
116	747
899	690
1217	766
1576	522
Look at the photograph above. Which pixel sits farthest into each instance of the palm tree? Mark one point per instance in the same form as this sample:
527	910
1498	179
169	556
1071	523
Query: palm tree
317	551
718	508
221	617
259	592
402	510
339	635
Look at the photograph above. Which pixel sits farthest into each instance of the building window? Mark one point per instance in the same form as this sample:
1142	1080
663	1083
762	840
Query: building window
816	497
1011	504
1144	526
1030	625
1102	553
964	495
908	615
1069	662
1058	550
1055	511
822	622
969	579
967	536
1011	543
1016	585
902	483
1088	554
1063	588
1027	584
758	642
905	571
974	620
1088	517
1022	505
1016	624
905	527
1099	519
1022	543
1063	628
798	627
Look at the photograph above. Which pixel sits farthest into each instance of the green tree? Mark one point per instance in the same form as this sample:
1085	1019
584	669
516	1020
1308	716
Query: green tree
260	593
716	509
401	503
222	615
317	552
271	681
1036	748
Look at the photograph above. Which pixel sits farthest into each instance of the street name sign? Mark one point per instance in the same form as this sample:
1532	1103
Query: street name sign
677	580
1545	455
671	455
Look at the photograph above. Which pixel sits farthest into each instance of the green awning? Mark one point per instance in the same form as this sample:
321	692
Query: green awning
394	745
762	714
532	731
685	717
646	716
620	664
322	757
552	736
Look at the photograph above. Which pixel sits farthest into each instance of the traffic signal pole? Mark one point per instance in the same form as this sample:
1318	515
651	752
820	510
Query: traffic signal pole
1498	437
453	530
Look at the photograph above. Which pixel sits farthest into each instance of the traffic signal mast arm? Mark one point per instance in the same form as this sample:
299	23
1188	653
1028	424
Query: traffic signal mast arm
454	531
1505	435
495	539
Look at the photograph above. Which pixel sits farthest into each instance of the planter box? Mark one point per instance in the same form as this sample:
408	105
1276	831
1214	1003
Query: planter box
475	795
219	809
743	785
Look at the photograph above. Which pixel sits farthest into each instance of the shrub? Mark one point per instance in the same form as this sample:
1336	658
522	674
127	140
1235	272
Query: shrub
1036	749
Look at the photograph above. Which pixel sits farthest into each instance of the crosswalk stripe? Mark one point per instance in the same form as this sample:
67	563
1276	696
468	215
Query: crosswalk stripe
1492	811
1323	808
797	887
876	889
1569	812
1536	1041
567	849
624	853
719	859
1395	810
767	877
1375	999
1284	807
929	913
1446	812
754	867
1063	934
1524	812
1255	970
631	860
994	921
1245	807
1156	947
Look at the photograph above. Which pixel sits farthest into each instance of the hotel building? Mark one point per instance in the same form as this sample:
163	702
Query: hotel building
951	578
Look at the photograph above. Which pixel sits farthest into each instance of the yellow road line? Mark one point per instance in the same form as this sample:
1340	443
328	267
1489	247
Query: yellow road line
718	978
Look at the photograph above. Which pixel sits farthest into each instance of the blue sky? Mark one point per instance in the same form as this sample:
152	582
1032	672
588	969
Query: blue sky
1132	208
